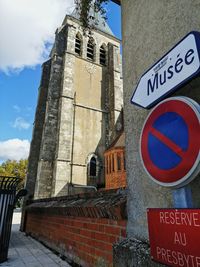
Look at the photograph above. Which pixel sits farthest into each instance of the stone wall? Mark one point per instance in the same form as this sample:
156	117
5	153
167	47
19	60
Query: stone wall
131	252
44	181
83	228
38	128
62	170
160	25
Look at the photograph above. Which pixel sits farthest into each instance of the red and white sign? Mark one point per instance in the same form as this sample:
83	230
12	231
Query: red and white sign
174	236
170	142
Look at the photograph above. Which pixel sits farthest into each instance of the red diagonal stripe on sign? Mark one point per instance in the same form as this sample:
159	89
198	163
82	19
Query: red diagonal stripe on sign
165	140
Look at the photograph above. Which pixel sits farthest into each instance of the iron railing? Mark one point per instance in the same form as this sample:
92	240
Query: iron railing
8	187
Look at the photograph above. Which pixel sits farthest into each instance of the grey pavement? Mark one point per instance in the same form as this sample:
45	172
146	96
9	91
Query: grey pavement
25	251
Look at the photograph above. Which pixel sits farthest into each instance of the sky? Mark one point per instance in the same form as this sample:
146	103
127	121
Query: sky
27	32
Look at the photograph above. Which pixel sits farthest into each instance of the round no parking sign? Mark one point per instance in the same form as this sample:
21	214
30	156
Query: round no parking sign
170	142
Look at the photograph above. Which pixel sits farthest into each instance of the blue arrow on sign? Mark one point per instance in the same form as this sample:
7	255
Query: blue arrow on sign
173	70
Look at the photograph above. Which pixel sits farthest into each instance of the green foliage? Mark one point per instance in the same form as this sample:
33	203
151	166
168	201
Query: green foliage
15	168
83	7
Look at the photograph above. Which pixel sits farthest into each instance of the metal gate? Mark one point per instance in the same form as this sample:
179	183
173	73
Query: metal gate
7	201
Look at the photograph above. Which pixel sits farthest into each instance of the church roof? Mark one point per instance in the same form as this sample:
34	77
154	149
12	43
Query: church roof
98	22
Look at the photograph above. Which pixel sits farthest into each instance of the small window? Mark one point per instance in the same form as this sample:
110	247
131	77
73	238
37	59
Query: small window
113	163
118	162
93	167
124	162
107	171
90	49
78	45
102	58
109	164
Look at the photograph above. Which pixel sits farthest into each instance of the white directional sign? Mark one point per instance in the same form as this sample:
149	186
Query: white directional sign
173	70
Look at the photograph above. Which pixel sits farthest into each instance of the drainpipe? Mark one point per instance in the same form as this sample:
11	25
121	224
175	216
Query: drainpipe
73	133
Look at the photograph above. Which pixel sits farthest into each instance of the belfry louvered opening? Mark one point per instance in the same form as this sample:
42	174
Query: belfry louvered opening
78	45
90	49
102	58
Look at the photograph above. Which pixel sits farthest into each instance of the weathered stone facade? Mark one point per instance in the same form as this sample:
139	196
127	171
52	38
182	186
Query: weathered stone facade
78	106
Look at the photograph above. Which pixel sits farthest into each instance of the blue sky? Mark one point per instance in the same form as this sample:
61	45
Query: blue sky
21	55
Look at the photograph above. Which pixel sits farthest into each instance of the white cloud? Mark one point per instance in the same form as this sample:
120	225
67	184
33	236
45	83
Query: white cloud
16	108
26	26
14	149
29	108
21	123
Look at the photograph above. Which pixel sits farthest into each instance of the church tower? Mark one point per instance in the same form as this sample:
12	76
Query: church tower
79	104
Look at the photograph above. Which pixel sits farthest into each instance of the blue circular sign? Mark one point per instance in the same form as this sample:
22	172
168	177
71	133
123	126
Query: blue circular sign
173	127
170	142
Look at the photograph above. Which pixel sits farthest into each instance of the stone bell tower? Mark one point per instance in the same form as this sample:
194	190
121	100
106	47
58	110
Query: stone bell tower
79	103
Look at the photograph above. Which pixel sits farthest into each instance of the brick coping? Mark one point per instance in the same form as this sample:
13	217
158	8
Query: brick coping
110	204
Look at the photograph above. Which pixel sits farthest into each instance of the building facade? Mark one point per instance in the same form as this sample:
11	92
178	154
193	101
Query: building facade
149	30
78	111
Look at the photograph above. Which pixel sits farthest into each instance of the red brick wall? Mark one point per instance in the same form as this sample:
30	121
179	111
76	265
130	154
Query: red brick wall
85	239
81	227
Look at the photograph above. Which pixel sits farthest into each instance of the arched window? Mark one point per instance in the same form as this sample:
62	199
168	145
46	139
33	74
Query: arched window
78	44
90	49
93	167
102	57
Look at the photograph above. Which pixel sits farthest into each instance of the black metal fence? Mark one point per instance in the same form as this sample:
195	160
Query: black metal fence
8	187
